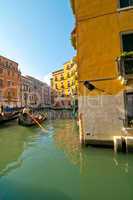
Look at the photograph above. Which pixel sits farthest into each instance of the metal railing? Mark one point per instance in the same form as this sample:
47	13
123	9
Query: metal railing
125	67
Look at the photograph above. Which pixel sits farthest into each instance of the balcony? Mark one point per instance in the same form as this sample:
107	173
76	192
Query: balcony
125	67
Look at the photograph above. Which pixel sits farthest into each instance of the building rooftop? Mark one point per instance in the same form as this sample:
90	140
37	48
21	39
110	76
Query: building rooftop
8	59
58	71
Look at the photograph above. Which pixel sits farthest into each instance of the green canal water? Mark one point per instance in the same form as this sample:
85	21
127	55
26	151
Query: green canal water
36	165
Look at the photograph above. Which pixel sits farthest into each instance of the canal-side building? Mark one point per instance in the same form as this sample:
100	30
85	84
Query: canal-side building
53	92
27	92
57	82
10	83
57	89
65	83
46	95
70	78
65	80
37	92
104	30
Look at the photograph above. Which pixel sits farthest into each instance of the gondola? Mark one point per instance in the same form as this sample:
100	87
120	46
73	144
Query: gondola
8	117
30	120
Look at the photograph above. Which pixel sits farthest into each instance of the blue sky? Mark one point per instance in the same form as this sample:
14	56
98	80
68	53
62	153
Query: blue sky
36	34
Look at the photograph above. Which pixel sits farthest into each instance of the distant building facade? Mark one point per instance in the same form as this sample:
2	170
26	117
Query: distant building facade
53	92
65	80
56	82
10	83
64	83
27	94
35	93
70	83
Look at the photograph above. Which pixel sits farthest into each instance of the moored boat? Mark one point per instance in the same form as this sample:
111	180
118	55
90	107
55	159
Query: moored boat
8	117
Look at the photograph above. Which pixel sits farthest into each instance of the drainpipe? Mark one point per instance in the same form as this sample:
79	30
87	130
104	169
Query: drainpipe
81	132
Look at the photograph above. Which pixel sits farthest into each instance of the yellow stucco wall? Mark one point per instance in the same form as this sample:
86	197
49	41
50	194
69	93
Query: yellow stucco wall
69	74
89	8
99	26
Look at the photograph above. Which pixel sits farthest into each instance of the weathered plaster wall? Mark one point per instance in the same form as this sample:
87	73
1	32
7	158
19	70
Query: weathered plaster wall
102	115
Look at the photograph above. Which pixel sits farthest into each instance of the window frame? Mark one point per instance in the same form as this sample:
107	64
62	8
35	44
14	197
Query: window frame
1	83
120	68
1	94
1	71
9	83
124	8
126	92
121	40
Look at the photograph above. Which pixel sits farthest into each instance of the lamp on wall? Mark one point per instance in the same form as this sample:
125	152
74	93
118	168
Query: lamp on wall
92	87
89	86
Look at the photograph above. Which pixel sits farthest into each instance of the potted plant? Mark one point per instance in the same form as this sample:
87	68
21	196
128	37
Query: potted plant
127	54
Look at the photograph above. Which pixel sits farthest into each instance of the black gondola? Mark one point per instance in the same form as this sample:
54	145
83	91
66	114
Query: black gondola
27	120
8	117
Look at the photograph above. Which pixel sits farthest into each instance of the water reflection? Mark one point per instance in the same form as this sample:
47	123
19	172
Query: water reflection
67	139
16	139
105	175
13	141
103	158
89	159
59	114
43	172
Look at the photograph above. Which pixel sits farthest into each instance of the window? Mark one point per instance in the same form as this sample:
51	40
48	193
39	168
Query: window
0	93
9	83
126	3
56	86
6	64
62	78
1	71
125	64
9	94
13	94
68	75
127	42
62	93
129	108
69	66
68	83
13	74
1	83
8	72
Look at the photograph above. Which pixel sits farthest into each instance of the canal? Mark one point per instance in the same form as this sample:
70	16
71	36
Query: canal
51	165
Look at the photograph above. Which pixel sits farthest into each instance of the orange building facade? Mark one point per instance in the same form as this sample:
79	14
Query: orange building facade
10	83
